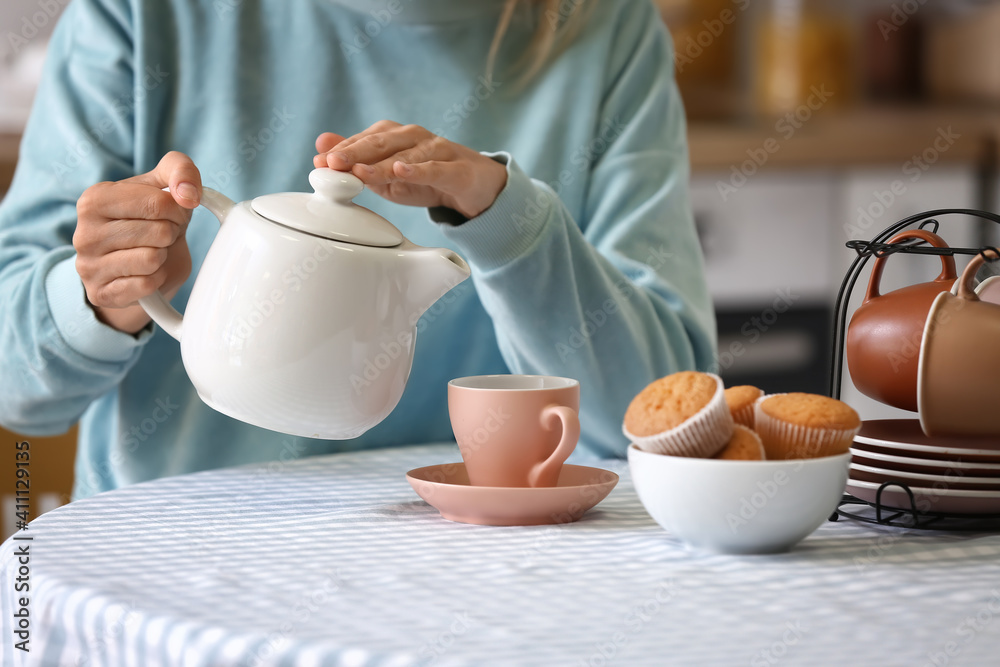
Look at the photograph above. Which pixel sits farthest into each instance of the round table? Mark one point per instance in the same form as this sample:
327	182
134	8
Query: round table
335	561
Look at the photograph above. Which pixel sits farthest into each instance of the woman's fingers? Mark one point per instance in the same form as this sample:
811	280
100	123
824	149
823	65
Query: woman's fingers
125	291
409	165
108	279
175	171
129	238
125	234
380	126
326	141
373	147
132	262
431	149
439	174
98	237
130	200
470	187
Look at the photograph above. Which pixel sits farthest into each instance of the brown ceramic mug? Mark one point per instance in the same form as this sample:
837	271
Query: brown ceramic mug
959	368
883	339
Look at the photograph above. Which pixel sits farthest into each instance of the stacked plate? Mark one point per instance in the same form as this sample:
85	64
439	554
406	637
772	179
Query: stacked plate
946	475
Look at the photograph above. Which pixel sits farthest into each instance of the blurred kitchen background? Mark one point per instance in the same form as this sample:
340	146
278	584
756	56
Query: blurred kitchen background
811	123
814	122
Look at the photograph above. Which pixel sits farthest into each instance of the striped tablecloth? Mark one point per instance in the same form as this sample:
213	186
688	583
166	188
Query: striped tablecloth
335	561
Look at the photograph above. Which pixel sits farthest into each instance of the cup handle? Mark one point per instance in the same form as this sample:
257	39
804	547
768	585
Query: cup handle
546	473
965	290
156	305
948	273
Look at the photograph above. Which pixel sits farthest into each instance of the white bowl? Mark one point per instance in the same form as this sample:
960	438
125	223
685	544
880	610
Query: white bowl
738	507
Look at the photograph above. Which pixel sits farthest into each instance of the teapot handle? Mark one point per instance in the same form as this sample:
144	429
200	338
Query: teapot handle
156	305
948	273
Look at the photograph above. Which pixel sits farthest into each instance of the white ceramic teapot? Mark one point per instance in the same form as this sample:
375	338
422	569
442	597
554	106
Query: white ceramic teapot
303	317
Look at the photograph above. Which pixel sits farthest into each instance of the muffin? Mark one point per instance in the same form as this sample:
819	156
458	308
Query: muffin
745	445
804	426
684	414
741	400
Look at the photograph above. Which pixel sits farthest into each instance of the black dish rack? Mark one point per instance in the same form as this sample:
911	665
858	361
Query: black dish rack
877	513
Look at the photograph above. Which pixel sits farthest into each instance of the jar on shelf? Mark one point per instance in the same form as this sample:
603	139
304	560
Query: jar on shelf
805	53
707	35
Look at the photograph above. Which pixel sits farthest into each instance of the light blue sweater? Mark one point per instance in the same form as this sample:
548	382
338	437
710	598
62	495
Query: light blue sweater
586	266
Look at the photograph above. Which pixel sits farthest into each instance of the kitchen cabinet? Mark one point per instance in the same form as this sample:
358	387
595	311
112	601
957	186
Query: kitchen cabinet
768	238
771	274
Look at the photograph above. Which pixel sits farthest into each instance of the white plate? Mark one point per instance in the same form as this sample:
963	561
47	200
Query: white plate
897	461
953	501
955	480
905	434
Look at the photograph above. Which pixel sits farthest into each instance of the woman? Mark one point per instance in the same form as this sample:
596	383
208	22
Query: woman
553	161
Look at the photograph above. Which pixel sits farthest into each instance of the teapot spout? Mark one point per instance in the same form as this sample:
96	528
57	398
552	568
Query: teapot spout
433	272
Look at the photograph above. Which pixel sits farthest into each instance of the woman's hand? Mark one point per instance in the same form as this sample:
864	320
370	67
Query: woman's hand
409	165
130	241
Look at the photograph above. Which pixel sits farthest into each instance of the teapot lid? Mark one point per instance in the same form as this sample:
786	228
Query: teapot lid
329	211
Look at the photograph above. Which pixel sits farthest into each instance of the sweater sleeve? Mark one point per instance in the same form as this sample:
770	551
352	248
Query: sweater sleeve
55	356
617	298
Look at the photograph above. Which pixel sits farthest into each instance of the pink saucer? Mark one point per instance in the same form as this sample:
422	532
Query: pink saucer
446	488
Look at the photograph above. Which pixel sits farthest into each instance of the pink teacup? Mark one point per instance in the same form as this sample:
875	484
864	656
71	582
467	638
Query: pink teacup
514	430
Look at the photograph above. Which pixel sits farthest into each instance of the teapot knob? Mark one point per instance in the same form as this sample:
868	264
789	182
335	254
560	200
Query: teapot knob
339	186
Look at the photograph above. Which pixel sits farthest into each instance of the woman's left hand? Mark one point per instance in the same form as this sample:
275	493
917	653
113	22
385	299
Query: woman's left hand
409	165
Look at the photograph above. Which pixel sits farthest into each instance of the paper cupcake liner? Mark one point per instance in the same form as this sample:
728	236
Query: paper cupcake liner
703	435
746	416
783	440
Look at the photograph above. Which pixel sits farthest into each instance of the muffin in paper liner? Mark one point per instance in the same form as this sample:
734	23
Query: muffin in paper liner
702	435
743	439
744	414
784	440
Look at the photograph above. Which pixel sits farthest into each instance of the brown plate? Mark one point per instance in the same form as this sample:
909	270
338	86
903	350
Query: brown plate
950	501
952	480
871	456
905	436
446	488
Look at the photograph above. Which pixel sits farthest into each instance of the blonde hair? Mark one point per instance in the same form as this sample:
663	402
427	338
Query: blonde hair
558	22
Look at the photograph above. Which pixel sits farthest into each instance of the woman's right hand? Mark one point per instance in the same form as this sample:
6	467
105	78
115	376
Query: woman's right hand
130	240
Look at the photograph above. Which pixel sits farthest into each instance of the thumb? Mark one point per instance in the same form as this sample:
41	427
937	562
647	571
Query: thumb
178	172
